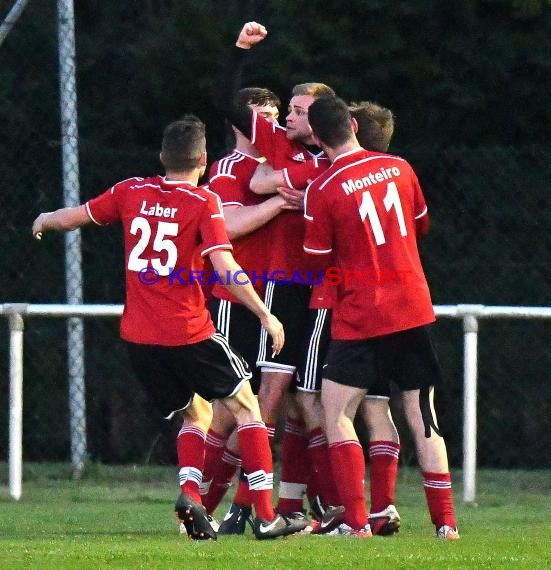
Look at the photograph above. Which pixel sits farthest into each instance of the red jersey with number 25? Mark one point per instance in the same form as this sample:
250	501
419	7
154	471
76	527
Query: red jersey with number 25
365	210
168	227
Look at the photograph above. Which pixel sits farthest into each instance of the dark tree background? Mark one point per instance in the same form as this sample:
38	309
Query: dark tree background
470	84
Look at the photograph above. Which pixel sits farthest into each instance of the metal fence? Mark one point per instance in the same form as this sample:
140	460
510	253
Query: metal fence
488	244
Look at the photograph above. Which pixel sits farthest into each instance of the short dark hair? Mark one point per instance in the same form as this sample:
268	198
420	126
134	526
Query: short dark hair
330	120
257	96
183	144
375	125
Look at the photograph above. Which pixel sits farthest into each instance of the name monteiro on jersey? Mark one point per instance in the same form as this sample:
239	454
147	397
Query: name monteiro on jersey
351	185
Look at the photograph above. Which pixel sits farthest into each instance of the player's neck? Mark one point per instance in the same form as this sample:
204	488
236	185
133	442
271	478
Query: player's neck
332	153
187	176
244	145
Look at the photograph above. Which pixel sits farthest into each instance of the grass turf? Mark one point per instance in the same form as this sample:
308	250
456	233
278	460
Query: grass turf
121	517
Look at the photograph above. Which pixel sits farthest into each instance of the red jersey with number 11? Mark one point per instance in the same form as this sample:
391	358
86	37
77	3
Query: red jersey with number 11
168	227
365	210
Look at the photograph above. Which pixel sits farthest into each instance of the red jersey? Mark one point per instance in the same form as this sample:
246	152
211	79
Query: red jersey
364	211
286	229
168	228
229	177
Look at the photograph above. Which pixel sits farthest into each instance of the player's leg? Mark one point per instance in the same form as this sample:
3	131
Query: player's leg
321	487
420	371
340	403
257	463
223	458
162	372
384	449
221	373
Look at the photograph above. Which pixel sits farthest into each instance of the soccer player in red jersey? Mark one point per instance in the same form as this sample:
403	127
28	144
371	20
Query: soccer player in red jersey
169	225
289	300
366	211
246	215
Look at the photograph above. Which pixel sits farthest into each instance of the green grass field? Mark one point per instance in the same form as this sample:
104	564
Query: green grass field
121	517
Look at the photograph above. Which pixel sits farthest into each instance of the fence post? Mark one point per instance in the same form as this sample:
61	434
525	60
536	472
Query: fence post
470	329
17	327
73	254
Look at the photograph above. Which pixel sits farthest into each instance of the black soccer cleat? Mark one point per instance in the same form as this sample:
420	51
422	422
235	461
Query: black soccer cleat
280	526
193	516
236	519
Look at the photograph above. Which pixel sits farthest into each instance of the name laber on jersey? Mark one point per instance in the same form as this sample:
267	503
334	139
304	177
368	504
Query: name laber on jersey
157	210
381	175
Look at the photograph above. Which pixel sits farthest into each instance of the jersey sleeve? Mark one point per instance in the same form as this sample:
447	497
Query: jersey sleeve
265	135
299	175
318	239
103	209
225	185
420	210
213	227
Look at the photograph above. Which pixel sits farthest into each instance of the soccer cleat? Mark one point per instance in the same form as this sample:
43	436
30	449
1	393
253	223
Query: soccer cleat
280	526
447	533
344	530
331	519
193	519
386	522
317	508
236	520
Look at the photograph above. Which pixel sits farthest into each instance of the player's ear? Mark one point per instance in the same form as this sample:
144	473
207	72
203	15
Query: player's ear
354	124
203	158
161	158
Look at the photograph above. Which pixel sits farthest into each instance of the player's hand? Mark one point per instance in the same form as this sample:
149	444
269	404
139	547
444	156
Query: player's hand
275	329
38	225
294	199
251	34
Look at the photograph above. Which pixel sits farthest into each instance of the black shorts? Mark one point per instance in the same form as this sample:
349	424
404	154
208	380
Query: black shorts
171	375
289	303
314	350
242	329
406	358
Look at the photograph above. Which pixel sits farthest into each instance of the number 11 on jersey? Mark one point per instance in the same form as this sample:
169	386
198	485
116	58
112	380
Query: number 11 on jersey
368	210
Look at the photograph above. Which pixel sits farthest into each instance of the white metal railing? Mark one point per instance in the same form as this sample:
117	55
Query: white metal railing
470	314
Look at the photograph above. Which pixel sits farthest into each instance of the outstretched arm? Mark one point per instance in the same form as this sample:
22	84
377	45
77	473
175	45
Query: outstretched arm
64	219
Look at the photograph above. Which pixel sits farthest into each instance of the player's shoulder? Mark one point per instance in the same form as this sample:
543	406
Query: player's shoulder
232	165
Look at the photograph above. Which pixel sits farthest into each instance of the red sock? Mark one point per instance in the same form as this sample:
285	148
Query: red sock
348	467
214	448
295	468
322	477
257	462
383	470
438	491
222	479
190	446
243	494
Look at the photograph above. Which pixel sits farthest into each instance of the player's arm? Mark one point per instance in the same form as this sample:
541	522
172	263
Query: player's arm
238	115
238	283
64	219
243	220
266	180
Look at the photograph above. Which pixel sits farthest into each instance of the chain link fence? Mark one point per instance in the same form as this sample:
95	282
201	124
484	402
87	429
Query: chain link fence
488	244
